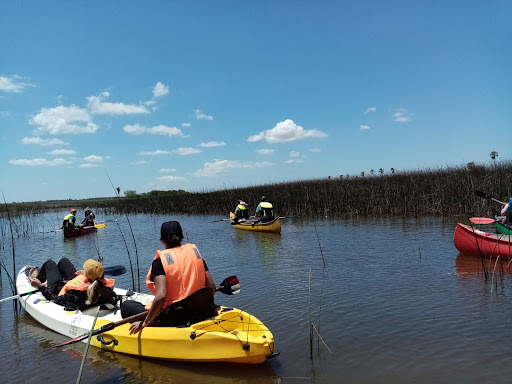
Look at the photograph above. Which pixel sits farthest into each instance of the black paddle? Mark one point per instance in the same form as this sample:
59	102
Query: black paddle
114	270
486	196
229	286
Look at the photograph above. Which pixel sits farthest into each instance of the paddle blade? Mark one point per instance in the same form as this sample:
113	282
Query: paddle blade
481	220
114	270
100	226
230	285
482	194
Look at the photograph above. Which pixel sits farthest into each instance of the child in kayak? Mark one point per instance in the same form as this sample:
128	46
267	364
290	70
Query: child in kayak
71	289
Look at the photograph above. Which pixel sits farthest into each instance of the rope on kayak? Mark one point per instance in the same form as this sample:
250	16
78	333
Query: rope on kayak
245	346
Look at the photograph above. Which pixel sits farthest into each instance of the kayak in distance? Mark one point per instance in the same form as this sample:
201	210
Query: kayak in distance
273	226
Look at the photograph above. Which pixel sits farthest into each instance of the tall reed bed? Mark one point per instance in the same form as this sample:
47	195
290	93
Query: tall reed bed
444	191
448	191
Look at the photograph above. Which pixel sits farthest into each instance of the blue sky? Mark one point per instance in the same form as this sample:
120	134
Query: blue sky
203	95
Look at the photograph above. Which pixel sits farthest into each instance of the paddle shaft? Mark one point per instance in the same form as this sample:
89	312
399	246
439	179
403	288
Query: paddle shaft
18	296
486	196
131	319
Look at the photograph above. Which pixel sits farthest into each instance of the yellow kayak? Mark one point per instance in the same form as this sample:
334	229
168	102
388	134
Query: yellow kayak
231	336
273	226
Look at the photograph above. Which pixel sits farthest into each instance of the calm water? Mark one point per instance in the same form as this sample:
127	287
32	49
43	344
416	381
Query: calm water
395	303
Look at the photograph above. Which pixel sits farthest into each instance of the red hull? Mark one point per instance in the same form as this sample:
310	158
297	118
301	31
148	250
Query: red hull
474	242
72	232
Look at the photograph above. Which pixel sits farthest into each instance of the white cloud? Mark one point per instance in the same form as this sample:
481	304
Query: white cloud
13	83
64	120
198	115
286	131
294	154
43	142
57	152
294	161
265	151
39	162
210	144
166	170
158	152
160	90
220	166
93	159
371	109
186	151
88	165
171	179
140	162
98	107
402	116
137	129
185	125
364	127
315	150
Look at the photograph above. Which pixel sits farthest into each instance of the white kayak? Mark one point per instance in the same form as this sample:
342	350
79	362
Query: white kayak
231	336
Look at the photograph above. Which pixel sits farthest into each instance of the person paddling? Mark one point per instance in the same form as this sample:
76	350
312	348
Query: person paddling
89	220
71	288
69	220
264	211
241	212
177	274
506	211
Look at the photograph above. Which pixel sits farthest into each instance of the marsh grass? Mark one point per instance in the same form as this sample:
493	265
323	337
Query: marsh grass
448	191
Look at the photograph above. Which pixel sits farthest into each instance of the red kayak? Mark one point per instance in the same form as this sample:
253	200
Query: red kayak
474	242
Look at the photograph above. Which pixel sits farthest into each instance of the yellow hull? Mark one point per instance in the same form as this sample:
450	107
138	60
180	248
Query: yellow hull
273	226
232	336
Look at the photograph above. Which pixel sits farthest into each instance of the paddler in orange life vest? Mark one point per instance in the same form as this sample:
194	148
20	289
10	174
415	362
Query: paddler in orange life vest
76	290
175	274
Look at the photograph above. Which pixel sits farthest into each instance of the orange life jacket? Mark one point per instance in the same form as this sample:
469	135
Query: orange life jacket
81	283
184	272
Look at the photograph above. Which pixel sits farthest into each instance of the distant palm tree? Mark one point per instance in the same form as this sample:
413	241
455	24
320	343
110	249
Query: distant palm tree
494	155
362	174
372	171
392	171
341	177
347	176
381	171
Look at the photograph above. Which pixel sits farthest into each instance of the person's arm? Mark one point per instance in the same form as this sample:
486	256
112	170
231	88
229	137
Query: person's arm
209	281
93	219
156	306
504	210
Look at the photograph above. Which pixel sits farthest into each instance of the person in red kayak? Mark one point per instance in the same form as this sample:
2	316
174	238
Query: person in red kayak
506	211
69	220
177	274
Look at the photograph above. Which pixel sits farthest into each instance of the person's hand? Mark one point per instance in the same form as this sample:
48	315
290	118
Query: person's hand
136	326
36	283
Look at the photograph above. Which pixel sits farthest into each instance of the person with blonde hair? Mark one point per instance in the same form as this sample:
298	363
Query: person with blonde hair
71	288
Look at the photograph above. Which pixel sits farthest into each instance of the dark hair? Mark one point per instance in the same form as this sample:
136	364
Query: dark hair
173	240
171	233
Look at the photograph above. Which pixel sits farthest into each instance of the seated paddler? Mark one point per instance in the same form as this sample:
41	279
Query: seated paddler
180	281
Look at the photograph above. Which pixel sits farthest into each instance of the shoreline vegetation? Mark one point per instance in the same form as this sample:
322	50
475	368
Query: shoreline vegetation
448	191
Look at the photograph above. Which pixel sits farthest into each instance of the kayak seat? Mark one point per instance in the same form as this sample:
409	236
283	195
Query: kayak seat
197	307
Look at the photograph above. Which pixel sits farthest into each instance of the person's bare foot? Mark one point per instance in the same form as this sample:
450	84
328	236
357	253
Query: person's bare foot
33	272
